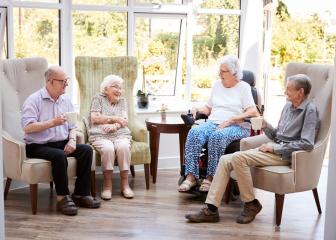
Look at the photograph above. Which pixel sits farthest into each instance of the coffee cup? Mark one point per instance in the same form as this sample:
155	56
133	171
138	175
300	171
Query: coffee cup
71	117
257	123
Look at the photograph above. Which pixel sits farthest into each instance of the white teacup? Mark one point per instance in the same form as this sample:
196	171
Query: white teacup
257	123
71	117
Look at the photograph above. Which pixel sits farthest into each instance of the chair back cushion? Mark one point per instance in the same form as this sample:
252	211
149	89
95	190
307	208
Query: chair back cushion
321	92
90	72
19	79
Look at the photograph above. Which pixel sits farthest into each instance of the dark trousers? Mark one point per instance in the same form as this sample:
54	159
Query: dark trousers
54	152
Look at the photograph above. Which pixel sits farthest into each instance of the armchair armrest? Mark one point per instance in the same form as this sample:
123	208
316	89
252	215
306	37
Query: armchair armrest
253	142
14	153
138	130
81	132
308	163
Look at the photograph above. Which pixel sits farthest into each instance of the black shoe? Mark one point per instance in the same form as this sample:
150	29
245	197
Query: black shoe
86	201
249	212
66	206
205	215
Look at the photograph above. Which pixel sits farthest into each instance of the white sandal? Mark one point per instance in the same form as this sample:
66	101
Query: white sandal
106	194
186	186
205	186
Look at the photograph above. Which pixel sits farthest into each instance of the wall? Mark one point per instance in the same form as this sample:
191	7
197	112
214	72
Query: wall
2	227
330	211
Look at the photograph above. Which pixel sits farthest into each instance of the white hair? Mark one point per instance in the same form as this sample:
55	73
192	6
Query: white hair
110	80
233	65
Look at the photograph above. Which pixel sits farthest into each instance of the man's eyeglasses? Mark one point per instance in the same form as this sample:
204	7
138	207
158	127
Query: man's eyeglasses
62	81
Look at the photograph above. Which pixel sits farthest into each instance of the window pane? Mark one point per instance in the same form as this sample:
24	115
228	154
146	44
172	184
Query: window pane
36	33
216	36
157	41
107	2
101	34
224	4
162	1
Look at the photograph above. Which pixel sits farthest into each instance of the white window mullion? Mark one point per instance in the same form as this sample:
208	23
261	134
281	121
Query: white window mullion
10	31
131	28
66	43
189	51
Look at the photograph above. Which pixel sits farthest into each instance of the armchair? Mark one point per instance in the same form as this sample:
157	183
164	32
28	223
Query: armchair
305	170
20	78
90	72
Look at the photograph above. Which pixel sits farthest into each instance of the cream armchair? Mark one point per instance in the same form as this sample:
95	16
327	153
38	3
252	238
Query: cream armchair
20	78
90	72
304	173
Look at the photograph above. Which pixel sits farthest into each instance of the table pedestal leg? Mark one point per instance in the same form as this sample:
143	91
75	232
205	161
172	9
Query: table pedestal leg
154	138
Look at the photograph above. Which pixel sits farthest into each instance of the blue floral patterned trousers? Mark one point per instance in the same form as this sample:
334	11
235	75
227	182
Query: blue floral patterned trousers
218	140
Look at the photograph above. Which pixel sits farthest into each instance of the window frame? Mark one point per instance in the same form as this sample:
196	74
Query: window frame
188	8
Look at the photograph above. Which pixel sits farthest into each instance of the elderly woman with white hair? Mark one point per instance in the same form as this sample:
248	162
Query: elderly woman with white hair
109	134
230	102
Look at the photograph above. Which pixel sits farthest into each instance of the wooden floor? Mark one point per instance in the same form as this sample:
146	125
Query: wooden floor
159	214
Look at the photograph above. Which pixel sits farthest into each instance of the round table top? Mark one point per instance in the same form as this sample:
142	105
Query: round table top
167	121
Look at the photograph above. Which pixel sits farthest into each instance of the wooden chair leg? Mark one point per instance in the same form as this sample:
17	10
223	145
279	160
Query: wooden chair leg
132	170
93	183
51	185
317	201
228	191
279	201
8	183
146	169
33	196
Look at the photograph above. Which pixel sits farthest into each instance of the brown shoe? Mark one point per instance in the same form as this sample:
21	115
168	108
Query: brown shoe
205	215
86	201
66	206
249	212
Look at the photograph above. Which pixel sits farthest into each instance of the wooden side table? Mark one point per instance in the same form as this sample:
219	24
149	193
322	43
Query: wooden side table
155	126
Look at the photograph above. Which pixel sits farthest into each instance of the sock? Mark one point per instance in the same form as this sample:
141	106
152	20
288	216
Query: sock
212	208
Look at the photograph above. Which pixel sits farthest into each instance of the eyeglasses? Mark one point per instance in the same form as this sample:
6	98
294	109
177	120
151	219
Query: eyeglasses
221	71
116	87
62	81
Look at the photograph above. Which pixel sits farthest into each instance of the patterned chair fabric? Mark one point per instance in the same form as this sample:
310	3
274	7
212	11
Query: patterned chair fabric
90	72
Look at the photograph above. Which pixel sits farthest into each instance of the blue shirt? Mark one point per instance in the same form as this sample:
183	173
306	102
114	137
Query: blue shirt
40	107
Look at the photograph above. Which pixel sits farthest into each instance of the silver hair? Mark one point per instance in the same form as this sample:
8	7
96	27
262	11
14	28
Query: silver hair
109	81
301	81
233	65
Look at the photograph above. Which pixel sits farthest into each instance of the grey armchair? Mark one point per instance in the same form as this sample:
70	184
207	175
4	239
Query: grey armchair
304	173
20	78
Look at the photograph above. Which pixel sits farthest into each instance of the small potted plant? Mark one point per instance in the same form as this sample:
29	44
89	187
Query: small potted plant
163	111
142	99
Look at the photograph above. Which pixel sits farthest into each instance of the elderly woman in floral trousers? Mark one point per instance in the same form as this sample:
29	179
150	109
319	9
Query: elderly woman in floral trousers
230	102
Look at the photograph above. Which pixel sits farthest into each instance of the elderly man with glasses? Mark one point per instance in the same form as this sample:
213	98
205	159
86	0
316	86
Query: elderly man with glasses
48	135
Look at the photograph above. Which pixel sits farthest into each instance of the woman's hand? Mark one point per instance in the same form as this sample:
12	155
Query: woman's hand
224	124
110	128
122	121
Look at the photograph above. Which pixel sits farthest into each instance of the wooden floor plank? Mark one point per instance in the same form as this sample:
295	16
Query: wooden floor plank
159	214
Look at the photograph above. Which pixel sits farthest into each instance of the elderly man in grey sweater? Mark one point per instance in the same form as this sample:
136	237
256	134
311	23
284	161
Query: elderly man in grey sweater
296	130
